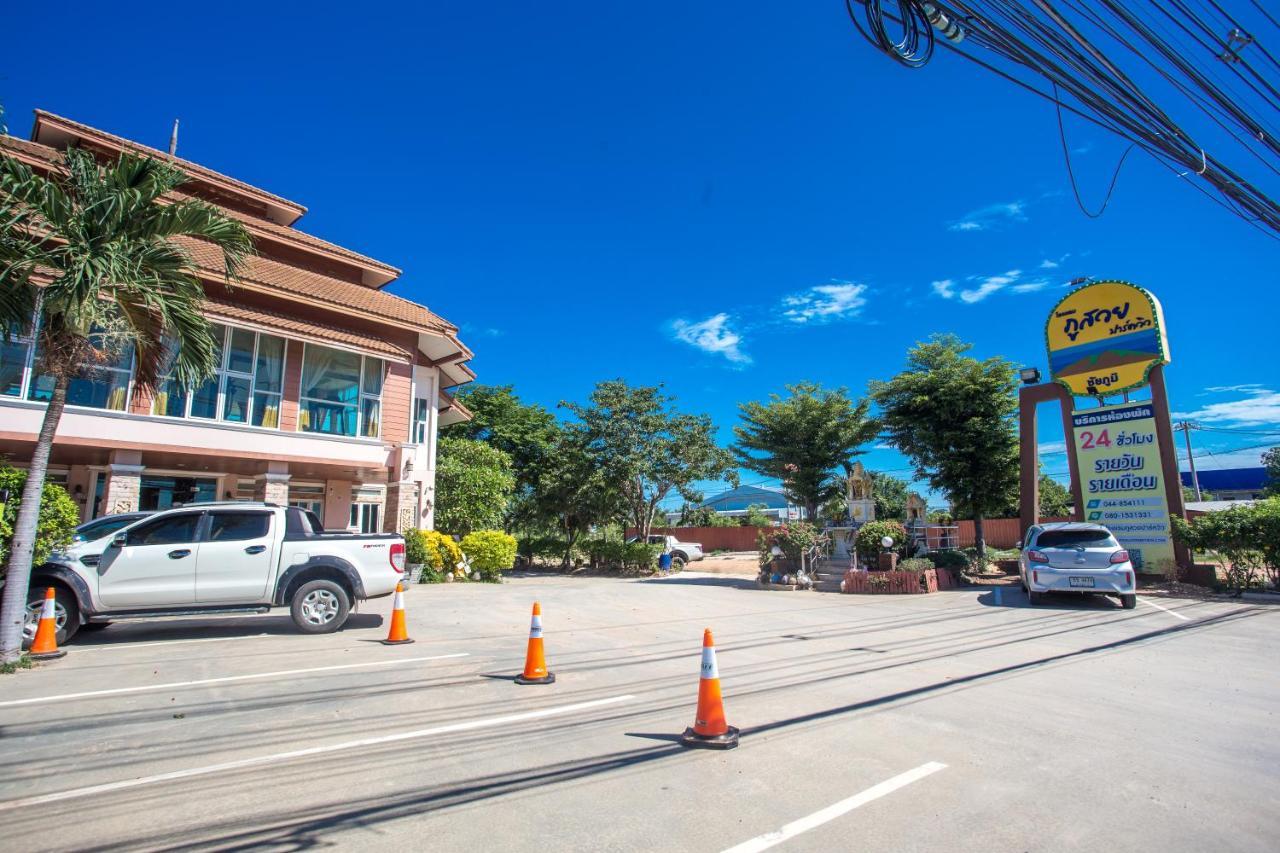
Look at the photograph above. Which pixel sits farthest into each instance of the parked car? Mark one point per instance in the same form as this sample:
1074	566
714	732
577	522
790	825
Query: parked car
233	557
1073	557
106	525
685	552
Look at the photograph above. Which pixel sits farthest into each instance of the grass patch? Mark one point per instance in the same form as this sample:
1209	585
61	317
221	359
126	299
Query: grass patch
23	662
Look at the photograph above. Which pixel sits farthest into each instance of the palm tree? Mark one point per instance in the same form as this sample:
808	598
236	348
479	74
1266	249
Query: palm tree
89	260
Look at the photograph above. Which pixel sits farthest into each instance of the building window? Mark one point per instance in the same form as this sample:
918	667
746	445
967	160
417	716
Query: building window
366	509
245	388
308	496
98	386
421	420
341	393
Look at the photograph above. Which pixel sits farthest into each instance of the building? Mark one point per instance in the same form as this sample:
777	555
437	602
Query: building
735	502
1230	484
329	396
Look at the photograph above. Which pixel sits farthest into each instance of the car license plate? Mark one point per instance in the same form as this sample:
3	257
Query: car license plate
1086	582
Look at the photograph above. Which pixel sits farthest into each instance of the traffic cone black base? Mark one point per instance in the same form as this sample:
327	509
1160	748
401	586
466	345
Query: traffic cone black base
549	678
692	739
47	655
406	641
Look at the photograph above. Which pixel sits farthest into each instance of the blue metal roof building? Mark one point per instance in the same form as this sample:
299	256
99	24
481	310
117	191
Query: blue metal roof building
1230	483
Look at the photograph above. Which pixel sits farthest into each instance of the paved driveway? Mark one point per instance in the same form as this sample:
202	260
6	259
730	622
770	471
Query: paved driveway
937	722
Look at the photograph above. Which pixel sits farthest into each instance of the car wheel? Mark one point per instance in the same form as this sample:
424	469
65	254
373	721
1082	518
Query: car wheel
1035	597
677	563
1129	600
319	607
66	614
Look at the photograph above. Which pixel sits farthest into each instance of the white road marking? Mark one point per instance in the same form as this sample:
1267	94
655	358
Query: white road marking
1172	613
176	684
278	757
79	649
835	810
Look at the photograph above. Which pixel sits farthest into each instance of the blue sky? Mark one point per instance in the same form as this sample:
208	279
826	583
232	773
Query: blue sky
724	198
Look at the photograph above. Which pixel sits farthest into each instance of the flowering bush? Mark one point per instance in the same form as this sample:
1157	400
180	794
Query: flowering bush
794	539
490	551
436	553
867	542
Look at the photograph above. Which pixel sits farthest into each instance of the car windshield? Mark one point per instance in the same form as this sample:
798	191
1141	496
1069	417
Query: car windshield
1076	539
102	527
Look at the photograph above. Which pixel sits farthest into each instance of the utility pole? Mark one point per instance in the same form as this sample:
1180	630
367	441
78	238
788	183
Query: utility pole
1186	427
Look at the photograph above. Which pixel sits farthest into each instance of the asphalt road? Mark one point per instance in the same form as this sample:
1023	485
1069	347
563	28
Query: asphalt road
939	722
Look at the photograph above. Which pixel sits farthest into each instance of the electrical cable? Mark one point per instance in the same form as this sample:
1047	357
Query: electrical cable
1066	156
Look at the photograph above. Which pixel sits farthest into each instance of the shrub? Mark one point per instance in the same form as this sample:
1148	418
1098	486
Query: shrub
867	542
794	539
641	556
439	553
915	564
603	553
490	552
1247	538
546	548
59	516
949	559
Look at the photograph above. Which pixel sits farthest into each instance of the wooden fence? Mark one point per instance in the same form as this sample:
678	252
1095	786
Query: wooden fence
1000	532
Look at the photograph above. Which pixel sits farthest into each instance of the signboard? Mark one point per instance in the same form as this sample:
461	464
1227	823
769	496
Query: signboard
1121	480
1104	338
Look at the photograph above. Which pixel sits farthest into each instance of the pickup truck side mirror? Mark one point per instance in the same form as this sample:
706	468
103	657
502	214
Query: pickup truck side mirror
120	540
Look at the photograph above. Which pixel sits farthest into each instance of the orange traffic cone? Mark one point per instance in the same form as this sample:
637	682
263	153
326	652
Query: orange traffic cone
709	729
45	644
535	664
399	634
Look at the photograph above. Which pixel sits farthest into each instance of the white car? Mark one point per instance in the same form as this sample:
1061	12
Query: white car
1073	557
233	557
685	552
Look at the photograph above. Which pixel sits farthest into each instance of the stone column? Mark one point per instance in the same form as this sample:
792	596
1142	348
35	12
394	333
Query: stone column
123	488
272	487
402	507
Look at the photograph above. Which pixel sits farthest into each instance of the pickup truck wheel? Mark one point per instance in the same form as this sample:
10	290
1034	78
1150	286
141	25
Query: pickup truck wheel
66	614
319	607
677	562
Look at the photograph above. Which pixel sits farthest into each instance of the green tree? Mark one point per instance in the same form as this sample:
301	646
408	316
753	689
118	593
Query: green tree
953	417
704	516
57	521
525	432
890	494
1055	499
571	494
95	254
1271	462
804	440
756	517
647	448
473	485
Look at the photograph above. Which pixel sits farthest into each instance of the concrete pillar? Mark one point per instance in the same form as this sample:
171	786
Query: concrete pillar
124	482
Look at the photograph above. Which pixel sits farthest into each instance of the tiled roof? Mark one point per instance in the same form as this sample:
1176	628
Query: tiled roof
341	295
221	309
55	157
185	165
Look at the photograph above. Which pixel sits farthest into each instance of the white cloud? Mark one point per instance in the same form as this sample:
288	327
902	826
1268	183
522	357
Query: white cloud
1047	264
1260	408
982	287
1246	388
884	447
1030	286
712	335
1053	448
826	302
991	216
987	286
944	288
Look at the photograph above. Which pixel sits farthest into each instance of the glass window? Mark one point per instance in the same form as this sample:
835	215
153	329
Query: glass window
364	517
245	389
341	393
103	385
238	526
420	415
13	365
1073	538
171	530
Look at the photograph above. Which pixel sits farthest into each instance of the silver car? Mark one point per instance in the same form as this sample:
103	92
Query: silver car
1075	558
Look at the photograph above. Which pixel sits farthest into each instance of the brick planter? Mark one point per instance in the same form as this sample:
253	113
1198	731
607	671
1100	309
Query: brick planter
889	583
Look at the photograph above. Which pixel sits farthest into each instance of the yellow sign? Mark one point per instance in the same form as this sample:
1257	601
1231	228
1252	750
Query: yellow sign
1118	453
1104	338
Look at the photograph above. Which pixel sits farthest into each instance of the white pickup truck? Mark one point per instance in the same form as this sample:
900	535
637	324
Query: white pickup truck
233	557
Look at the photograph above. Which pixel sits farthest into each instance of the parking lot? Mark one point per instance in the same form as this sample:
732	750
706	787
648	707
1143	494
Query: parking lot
940	722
